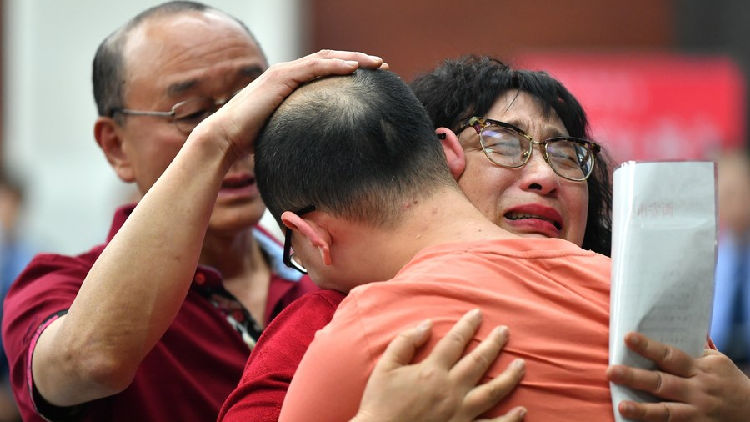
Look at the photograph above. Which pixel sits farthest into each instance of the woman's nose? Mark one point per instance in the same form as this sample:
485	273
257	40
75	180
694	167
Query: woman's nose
537	174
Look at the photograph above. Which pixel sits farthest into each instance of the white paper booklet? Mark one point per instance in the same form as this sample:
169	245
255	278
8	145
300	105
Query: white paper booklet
663	259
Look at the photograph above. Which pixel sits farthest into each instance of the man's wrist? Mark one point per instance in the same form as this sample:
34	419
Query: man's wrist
212	142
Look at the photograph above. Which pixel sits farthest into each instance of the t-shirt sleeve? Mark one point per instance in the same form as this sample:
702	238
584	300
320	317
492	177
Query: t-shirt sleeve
331	378
43	292
275	358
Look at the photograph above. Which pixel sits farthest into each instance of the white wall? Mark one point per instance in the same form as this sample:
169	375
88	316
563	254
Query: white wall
49	106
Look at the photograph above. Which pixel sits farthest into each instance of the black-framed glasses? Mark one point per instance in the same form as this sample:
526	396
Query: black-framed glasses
185	115
288	256
508	146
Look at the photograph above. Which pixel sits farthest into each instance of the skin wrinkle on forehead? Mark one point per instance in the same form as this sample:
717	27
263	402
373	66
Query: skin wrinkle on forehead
180	88
153	40
526	123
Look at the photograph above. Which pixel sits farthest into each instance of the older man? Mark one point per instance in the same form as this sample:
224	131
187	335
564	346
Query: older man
157	323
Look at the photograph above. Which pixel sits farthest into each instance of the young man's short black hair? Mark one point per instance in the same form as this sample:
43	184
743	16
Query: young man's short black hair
359	146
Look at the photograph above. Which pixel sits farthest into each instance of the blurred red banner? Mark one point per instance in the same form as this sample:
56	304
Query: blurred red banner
653	107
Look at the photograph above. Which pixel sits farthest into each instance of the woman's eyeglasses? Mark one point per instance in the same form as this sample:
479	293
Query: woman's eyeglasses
509	146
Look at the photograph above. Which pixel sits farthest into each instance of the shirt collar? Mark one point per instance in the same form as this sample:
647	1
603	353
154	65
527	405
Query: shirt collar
270	245
275	254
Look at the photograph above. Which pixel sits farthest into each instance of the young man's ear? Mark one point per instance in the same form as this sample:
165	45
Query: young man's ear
454	152
315	233
108	135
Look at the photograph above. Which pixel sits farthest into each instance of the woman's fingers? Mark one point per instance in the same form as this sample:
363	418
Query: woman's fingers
655	412
669	359
444	386
475	364
401	350
483	397
451	347
657	383
515	415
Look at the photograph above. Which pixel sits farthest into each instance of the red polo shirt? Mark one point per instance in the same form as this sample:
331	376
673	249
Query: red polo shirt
275	359
187	375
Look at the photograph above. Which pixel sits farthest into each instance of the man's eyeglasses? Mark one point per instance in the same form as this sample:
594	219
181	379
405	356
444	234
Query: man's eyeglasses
288	256
509	146
185	115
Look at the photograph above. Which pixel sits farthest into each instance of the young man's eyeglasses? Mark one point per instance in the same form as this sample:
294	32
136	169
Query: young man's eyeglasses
509	146
185	115
288	256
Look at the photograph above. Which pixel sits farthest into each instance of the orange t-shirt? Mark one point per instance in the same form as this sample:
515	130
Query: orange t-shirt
552	295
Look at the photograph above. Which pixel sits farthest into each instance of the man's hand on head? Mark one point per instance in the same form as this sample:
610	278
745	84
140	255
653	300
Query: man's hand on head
238	122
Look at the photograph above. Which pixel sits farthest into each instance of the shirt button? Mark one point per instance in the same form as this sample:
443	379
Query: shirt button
238	316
